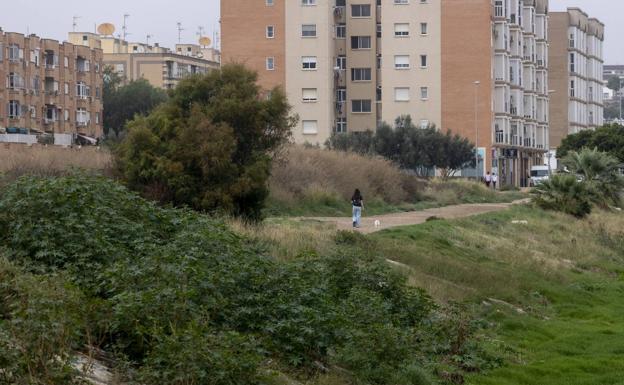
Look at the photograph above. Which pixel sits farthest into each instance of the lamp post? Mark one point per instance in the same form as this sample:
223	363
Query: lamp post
476	126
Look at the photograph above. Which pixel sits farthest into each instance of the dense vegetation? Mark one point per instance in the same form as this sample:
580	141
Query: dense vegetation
123	102
180	299
417	149
210	147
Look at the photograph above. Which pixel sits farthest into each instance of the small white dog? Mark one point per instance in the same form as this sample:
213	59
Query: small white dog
377	223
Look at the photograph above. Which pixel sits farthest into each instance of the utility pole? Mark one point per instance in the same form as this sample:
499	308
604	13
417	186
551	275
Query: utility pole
125	26
200	31
476	126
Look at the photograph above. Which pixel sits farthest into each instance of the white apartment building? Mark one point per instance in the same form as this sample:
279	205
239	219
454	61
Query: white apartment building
576	70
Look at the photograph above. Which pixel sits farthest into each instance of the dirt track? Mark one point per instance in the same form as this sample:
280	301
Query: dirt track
417	217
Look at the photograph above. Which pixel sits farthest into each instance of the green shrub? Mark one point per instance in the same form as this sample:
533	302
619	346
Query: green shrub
564	193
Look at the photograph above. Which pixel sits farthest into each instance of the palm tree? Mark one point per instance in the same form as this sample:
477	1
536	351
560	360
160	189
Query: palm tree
601	172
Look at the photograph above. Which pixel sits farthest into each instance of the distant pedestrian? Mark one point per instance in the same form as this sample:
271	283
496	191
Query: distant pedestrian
488	179
357	200
494	180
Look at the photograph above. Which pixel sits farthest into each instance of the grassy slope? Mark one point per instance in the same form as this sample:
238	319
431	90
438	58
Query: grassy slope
566	275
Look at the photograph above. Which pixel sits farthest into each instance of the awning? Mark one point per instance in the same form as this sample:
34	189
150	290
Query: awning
92	141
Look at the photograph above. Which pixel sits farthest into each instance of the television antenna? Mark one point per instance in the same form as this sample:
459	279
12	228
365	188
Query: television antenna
125	26
180	29
75	22
200	31
147	38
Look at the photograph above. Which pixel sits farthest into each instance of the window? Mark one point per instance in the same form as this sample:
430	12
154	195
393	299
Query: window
269	3
1	52
378	61
359	106
310	127
378	30
401	94
361	74
97	118
308	30
341	31
66	112
97	92
15	110
341	95
401	29
15	53
424	124
378	94
82	90
360	42
308	2
341	62
401	1
270	31
572	89
82	116
33	112
572	63
401	62
310	95
423	61
270	63
16	82
341	3
423	28
341	125
360	10
66	89
424	93
308	62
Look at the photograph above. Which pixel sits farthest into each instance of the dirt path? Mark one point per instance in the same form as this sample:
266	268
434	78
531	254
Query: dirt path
417	217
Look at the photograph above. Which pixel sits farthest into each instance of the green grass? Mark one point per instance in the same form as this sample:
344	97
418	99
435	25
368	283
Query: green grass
553	290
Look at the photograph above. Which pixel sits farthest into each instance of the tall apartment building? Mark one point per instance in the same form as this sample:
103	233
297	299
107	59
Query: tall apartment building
347	65
502	44
52	92
162	67
576	73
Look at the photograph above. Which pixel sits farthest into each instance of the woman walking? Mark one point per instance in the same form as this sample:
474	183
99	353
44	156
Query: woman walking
357	200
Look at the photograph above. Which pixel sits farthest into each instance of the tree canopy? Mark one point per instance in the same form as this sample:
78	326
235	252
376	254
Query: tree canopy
413	148
123	102
609	139
210	146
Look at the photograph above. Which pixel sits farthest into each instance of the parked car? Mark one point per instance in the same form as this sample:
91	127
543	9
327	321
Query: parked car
539	174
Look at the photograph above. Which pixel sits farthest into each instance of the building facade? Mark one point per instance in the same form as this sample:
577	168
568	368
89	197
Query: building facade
576	68
53	91
160	66
348	65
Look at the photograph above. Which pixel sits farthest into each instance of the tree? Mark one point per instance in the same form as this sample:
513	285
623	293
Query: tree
609	139
614	83
210	146
411	147
123	102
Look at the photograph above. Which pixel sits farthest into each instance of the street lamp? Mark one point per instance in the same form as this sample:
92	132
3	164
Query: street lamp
476	125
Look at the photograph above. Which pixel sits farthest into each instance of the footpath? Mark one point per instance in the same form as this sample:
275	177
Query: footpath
388	221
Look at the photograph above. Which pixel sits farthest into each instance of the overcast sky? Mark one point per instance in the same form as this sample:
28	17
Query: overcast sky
53	18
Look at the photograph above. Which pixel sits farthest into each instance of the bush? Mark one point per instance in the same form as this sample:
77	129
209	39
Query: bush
210	147
183	297
564	193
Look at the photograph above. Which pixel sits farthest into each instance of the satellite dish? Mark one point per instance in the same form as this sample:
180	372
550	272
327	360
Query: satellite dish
204	41
106	29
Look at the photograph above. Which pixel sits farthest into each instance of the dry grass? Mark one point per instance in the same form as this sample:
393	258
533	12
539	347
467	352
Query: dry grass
309	171
18	160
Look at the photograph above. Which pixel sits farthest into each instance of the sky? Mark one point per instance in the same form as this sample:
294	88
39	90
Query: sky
53	18
159	18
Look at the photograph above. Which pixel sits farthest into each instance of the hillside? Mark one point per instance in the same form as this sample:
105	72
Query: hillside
547	292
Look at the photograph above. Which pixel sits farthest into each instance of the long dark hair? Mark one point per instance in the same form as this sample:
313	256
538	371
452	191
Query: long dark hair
357	195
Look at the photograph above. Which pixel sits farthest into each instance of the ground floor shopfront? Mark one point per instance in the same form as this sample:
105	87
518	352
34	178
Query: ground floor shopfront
513	165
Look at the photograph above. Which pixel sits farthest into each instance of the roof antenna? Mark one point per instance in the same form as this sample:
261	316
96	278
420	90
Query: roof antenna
125	26
180	29
147	38
75	23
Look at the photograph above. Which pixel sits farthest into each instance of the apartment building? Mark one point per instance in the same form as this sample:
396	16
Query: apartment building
495	82
576	73
52	92
161	66
346	65
476	67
